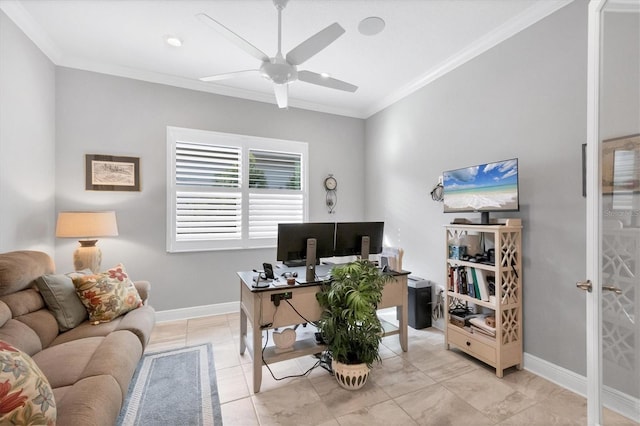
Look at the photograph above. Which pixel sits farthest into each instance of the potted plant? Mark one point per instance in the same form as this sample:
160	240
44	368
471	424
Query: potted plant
349	324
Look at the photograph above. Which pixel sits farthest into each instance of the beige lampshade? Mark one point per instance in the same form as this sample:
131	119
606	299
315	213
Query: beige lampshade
86	224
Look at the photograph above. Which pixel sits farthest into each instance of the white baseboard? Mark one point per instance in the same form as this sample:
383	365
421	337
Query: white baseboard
197	311
615	400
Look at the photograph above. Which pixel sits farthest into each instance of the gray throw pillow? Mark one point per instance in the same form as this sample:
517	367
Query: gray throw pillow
61	298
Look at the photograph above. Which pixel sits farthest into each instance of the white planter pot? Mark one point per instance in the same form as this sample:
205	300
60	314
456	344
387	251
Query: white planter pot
350	376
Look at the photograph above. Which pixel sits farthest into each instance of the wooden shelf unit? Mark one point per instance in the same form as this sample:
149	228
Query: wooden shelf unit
505	350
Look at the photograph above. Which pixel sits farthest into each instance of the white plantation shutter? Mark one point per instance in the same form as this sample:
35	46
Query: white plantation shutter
208	216
275	193
209	165
267	210
228	191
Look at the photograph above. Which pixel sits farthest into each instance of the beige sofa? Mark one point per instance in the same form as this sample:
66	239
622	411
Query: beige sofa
89	367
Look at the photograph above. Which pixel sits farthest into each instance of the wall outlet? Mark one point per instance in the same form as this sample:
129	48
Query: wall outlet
276	298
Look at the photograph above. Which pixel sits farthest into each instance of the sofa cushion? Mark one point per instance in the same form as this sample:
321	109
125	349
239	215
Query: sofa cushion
116	355
42	323
107	295
18	334
139	321
25	394
5	313
23	302
27	306
61	298
64	364
94	401
18	269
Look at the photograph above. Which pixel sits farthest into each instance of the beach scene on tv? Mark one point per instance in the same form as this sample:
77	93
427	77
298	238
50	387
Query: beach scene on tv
491	186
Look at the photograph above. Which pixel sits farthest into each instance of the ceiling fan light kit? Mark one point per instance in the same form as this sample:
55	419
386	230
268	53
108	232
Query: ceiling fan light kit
282	70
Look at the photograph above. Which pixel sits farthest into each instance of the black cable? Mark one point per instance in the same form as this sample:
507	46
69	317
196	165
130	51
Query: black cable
263	326
299	314
266	342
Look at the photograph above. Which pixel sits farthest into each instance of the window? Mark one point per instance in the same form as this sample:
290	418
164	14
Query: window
228	191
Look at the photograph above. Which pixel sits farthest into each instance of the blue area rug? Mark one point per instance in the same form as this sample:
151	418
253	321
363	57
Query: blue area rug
175	387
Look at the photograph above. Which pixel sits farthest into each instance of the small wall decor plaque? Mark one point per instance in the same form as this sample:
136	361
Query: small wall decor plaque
112	173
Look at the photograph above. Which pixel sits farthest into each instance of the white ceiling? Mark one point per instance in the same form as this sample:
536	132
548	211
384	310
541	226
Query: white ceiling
422	40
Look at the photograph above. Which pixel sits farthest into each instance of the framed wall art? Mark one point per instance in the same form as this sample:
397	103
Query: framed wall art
112	173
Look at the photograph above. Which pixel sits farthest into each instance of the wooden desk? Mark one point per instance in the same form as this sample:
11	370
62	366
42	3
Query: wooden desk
257	308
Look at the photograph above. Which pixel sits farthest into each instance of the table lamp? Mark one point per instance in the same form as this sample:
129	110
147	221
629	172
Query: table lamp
87	226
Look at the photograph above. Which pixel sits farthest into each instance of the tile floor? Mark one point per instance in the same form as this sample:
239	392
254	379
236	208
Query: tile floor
427	385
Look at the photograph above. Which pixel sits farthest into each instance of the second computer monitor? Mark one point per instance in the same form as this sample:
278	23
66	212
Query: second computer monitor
292	242
350	241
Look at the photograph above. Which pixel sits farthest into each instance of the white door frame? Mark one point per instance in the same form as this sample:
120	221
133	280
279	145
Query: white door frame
594	218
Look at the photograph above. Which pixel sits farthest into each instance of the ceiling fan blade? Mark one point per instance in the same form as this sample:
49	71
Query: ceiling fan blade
314	44
228	75
282	94
333	83
232	37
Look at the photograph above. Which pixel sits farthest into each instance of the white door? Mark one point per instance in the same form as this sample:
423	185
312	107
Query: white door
613	209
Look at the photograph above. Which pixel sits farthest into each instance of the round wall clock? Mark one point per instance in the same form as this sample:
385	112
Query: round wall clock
330	185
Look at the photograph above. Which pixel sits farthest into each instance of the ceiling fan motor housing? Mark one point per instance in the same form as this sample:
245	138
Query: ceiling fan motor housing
278	71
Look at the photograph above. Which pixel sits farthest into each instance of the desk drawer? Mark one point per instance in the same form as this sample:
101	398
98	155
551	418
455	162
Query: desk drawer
472	344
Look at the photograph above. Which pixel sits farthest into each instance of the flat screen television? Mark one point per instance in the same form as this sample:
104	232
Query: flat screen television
349	238
490	187
292	242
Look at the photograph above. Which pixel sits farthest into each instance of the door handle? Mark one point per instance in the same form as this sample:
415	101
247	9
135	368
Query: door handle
588	286
616	290
585	285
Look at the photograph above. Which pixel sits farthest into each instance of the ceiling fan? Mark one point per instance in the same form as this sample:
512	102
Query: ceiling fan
282	70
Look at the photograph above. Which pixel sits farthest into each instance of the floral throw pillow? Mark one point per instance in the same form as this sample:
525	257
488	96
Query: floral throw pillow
107	295
26	397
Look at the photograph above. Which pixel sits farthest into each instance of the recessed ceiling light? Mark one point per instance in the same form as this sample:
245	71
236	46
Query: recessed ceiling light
325	75
371	26
173	41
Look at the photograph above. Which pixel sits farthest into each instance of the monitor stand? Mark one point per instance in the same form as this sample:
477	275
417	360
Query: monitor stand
364	248
311	260
484	218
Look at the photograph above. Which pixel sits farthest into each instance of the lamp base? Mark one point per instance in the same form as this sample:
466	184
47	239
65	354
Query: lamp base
87	256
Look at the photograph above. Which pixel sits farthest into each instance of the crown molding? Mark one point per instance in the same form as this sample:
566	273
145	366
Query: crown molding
510	28
187	83
622	6
19	15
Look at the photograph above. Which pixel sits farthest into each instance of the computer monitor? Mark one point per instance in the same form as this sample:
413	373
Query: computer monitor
292	242
358	238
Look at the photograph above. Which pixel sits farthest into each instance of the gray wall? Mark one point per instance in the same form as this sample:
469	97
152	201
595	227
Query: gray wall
525	98
100	114
27	143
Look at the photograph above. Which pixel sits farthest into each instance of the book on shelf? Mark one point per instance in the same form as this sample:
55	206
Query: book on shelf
477	330
483	286
471	286
478	324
